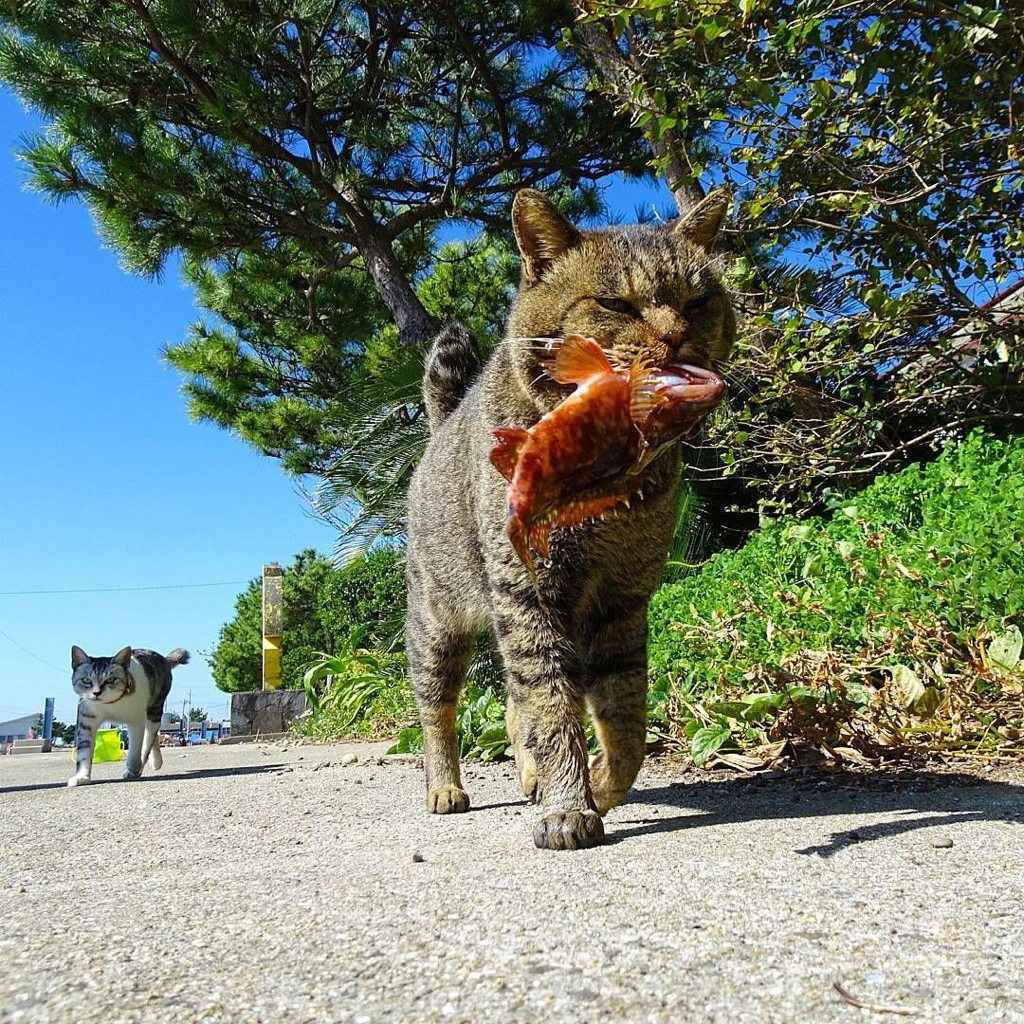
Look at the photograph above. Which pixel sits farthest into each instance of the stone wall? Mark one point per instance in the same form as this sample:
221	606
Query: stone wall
265	711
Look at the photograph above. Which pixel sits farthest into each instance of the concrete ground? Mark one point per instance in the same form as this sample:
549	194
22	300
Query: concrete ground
264	883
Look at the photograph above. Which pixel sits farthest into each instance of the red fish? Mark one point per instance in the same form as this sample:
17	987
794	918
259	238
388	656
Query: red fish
690	393
585	456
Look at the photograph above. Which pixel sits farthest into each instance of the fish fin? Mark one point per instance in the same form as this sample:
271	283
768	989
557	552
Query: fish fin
505	454
519	534
577	360
643	393
540	532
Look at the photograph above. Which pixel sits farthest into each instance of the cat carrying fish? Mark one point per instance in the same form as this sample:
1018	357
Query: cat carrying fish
585	457
572	632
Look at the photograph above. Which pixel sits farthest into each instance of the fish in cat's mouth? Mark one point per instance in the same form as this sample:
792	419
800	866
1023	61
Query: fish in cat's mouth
690	393
586	456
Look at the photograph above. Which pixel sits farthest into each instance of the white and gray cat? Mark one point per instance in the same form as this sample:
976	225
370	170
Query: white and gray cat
129	689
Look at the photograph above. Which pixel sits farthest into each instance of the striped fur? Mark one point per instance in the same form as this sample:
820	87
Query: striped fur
588	651
452	364
129	689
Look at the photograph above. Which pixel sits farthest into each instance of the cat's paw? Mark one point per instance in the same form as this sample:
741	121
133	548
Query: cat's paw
78	780
569	830
447	800
527	778
605	794
130	776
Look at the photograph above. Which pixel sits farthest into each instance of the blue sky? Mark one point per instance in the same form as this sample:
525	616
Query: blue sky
107	483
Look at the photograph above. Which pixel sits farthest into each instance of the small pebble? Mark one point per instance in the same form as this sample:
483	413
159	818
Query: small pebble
417	857
943	844
349	759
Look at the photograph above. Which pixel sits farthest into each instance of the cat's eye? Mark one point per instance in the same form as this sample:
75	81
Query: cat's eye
616	305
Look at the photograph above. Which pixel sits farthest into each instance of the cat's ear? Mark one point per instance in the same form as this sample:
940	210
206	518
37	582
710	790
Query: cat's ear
123	657
542	233
78	656
702	224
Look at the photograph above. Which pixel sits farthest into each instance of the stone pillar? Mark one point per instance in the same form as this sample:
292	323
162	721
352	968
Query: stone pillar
273	627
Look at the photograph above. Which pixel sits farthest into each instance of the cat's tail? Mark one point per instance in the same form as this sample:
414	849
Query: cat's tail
452	364
179	656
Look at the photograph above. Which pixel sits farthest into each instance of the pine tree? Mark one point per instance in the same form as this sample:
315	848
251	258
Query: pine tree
226	130
297	158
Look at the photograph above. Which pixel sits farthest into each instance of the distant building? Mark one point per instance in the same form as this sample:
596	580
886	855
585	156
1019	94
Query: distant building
197	732
16	729
208	731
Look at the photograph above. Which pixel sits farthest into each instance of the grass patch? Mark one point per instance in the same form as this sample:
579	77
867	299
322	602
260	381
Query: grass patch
890	627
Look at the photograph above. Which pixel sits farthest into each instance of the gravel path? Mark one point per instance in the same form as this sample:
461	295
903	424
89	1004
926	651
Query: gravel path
256	883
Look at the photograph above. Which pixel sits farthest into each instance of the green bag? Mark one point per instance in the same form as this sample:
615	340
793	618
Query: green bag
108	746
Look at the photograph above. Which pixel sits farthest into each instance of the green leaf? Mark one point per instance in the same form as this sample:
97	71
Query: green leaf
874	299
492	736
1004	651
729	708
410	741
765	707
812	566
707	740
713	28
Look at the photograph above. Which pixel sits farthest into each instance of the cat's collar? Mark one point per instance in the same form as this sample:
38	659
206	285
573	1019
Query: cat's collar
130	688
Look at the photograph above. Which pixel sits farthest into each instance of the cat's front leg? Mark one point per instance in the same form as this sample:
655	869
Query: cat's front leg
616	660
526	766
85	742
136	743
551	744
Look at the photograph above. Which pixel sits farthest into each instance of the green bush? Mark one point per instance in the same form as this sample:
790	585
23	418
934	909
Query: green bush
358	693
893	621
367	693
908	583
479	725
323	607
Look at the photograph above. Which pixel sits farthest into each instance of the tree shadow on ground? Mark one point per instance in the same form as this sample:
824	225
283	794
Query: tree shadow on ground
148	779
929	798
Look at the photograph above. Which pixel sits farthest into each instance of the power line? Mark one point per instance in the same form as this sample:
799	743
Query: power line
122	590
32	654
17	714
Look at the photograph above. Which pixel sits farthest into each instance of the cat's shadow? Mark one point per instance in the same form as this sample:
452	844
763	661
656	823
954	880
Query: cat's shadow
149	779
929	799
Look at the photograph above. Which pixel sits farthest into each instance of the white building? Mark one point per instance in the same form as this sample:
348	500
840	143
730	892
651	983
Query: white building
15	729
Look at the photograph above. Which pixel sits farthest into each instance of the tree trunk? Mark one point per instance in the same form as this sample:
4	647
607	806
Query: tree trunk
415	324
620	73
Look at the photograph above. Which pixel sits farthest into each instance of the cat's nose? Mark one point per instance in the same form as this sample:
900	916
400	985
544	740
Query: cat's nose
675	337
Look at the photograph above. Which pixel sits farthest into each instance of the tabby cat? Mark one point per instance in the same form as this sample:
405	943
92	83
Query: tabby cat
129	689
578	643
